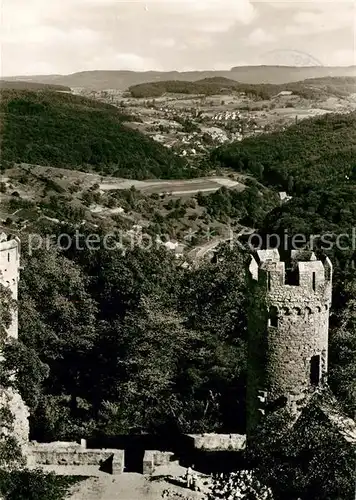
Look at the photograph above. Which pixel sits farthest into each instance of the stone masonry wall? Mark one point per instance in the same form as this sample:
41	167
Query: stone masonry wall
155	458
73	454
218	442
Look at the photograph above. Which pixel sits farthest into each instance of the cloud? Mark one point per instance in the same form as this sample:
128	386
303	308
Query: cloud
165	43
342	57
124	61
75	35
259	36
323	18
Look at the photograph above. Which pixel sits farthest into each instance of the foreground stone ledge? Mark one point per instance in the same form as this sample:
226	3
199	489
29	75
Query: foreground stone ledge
73	454
218	442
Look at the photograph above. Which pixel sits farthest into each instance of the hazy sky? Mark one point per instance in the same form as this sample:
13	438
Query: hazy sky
65	36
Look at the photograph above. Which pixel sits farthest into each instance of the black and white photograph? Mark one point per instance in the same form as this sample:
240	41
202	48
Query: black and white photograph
177	250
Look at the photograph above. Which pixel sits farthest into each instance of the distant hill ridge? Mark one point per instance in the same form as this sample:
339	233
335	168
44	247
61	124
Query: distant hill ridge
121	80
310	88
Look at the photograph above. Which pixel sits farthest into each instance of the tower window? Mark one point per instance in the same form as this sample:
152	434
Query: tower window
315	370
269	281
273	316
314	281
8	256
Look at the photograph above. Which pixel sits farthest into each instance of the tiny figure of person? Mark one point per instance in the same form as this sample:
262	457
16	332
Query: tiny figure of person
189	477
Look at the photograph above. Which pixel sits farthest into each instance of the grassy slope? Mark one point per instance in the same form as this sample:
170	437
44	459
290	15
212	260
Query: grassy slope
62	130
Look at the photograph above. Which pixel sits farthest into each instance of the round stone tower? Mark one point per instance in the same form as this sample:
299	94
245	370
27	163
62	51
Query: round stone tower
9	397
10	274
288	323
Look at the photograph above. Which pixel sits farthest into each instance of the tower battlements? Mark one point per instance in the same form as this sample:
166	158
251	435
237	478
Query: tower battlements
288	323
302	278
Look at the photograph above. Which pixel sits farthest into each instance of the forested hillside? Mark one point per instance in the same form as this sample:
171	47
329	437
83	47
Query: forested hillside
62	130
26	85
313	88
208	86
315	153
217	85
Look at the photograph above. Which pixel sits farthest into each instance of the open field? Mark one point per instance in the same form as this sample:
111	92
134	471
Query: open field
183	187
66	177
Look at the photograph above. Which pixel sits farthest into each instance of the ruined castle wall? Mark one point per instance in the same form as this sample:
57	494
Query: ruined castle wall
75	455
217	442
155	458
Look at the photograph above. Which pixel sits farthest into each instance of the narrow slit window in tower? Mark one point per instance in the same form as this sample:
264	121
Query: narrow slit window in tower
314	281
8	257
315	370
269	281
273	316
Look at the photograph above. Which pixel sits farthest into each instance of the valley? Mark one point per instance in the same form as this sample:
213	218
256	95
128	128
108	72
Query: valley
190	123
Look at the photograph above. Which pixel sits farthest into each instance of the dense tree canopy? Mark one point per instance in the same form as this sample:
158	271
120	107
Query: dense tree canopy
217	85
111	335
63	130
309	460
314	154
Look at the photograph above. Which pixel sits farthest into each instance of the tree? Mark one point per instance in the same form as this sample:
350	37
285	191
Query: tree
34	485
57	321
10	452
145	352
212	298
16	482
7	305
309	459
343	351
